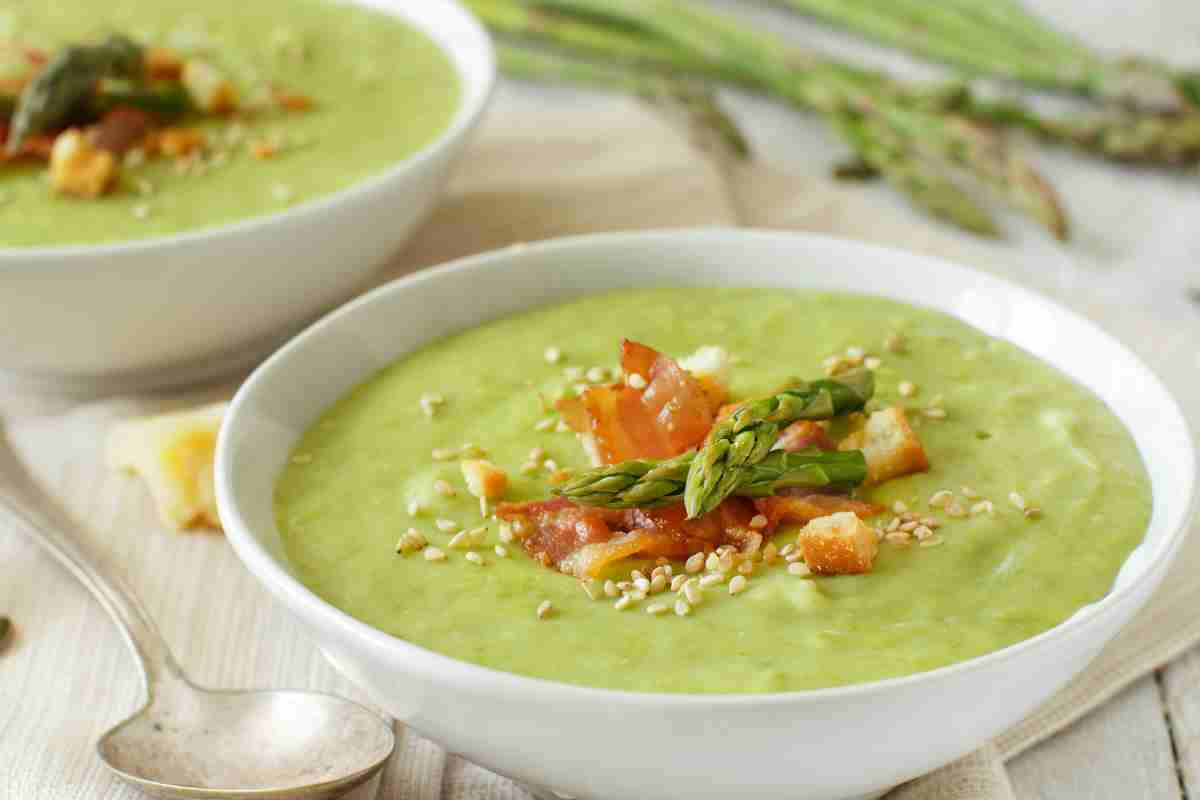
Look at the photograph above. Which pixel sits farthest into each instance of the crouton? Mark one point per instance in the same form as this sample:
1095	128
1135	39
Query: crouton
889	445
839	544
174	454
484	479
208	87
162	64
79	168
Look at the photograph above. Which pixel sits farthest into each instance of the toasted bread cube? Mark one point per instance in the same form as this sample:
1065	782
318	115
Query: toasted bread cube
889	445
484	479
208	87
162	64
78	168
174	454
839	544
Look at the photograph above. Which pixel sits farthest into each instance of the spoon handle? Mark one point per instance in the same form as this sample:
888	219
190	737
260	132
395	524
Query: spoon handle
53	534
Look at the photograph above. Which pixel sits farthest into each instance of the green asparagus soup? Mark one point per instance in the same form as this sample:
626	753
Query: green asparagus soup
379	91
1036	495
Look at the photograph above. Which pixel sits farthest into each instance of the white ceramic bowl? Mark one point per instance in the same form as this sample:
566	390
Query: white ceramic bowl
590	743
187	306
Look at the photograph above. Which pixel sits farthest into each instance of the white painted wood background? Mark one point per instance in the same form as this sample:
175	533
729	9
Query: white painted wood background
66	678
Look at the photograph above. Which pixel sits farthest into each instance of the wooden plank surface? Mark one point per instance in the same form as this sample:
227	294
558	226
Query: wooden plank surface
1181	692
1122	751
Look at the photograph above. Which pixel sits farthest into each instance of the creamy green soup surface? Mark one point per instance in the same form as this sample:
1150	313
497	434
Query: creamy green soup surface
1013	424
381	91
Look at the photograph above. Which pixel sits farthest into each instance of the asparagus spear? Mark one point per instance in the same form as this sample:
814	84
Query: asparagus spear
997	37
745	437
646	484
694	99
58	89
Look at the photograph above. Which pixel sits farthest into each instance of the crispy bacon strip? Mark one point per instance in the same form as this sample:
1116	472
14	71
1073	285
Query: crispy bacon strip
801	506
583	541
670	414
803	435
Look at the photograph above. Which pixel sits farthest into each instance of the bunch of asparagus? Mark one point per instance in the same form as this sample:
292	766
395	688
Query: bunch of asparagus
736	457
922	138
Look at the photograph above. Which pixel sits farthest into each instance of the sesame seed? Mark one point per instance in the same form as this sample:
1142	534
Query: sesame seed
434	554
505	532
623	603
550	465
501	551
711	579
635	381
855	353
544	608
444	454
553	355
658	583
872	362
770	552
475	559
713	562
941	499
899	507
537	454
1033	512
141	211
611	589
922	532
899	537
1017	500
969	493
410	541
447	525
677	582
589	588
893	525
542	426
795	555
746	568
725	562
895	343
799	569
956	510
641	585
573	373
695	563
907	388
529	467
758	522
657	609
930	522
682	608
933	542
738	584
983	507
934	413
443	488
416	508
596	374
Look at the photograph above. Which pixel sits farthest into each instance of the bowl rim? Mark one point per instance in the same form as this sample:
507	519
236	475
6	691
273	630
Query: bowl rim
475	92
447	669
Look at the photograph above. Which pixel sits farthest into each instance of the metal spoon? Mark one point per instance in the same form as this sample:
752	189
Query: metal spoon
189	742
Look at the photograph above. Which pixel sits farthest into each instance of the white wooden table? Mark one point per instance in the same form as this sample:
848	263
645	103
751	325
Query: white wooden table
1136	250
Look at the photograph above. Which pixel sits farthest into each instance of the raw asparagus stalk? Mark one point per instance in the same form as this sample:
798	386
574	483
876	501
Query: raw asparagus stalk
745	437
695	100
997	37
646	484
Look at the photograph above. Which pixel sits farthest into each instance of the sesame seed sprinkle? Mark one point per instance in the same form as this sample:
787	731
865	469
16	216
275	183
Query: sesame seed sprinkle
907	388
657	609
682	608
693	592
695	563
758	522
934	412
899	507
624	602
872	362
738	584
553	355
658	583
543	426
475	559
1017	500
983	507
443	488
501	551
610	589
677	582
447	525
416	508
711	579
596	374
544	608
636	381
800	570
434	554
941	499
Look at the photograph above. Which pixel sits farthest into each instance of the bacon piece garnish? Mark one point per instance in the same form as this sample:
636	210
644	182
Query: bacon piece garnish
122	128
804	434
582	541
670	414
801	506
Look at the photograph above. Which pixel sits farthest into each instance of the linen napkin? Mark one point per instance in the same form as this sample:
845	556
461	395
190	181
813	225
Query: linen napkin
529	175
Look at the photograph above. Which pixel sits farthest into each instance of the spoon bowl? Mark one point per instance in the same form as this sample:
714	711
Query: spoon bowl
191	743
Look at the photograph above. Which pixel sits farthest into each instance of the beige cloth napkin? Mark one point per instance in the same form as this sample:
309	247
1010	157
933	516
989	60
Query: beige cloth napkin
528	177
